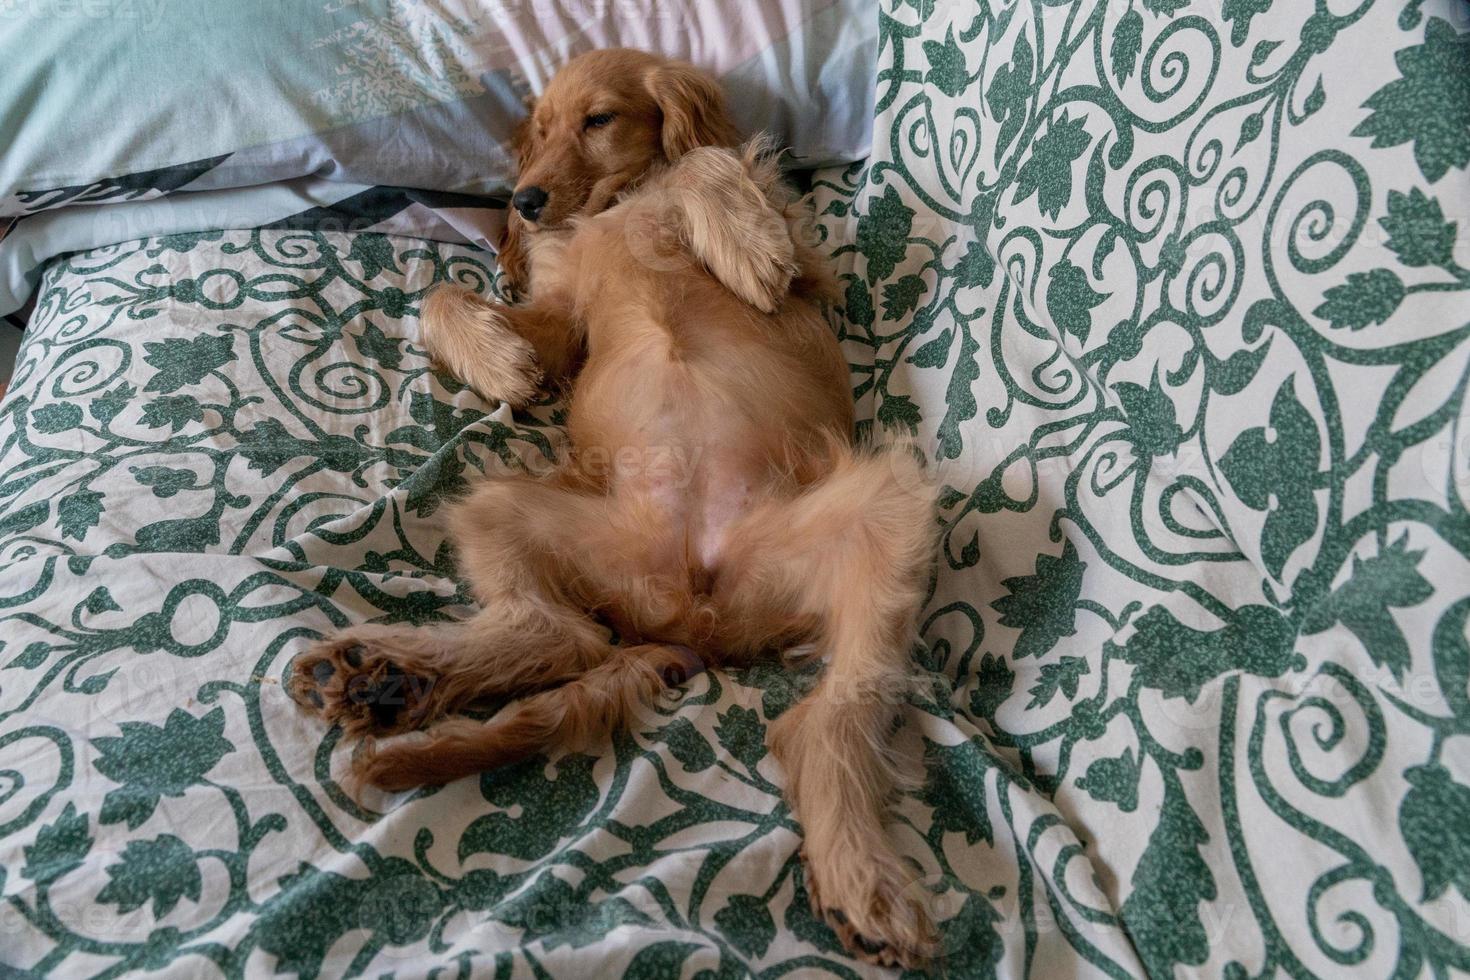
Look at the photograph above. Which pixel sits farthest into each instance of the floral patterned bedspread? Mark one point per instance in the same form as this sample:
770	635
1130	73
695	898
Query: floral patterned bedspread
1174	296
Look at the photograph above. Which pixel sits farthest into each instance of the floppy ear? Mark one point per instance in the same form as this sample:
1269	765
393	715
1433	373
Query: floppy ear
693	108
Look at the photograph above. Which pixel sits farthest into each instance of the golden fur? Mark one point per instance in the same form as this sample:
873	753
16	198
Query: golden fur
713	506
663	109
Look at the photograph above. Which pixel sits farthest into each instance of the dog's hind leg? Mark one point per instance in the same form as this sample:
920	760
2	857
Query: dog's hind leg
531	551
577	714
377	680
537	554
851	552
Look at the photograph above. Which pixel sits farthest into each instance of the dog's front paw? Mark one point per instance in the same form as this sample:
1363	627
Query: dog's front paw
357	680
772	265
473	339
733	227
871	903
505	366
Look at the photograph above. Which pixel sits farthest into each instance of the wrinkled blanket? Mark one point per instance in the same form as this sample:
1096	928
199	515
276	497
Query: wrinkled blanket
1174	298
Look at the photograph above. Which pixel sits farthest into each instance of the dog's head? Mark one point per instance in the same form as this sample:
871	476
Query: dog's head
603	122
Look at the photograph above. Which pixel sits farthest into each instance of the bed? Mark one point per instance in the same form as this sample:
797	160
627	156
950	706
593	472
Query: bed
1175	299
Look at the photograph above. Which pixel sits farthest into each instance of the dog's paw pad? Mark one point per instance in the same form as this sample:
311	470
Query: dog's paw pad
895	933
349	682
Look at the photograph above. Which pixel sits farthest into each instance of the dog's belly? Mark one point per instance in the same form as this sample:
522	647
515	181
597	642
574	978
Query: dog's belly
713	412
691	490
725	495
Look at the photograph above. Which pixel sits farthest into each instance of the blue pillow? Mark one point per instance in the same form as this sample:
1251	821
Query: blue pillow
135	99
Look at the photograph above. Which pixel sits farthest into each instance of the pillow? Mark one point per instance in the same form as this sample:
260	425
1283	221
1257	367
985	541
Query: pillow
135	99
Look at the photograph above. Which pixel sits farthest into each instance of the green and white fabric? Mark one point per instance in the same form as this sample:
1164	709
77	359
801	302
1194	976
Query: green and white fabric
1175	298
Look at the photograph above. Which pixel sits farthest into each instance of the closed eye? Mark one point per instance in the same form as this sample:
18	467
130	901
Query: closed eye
598	119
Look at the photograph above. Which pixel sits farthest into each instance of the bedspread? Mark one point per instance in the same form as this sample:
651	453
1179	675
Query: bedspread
1174	298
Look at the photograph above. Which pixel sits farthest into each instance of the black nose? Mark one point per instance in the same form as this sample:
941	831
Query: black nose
529	201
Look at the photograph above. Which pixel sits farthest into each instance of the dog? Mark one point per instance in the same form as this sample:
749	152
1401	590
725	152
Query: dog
670	291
